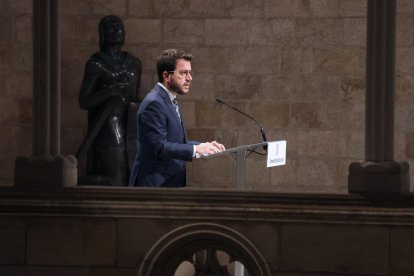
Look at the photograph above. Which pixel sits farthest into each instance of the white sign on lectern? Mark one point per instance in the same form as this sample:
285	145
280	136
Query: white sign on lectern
276	153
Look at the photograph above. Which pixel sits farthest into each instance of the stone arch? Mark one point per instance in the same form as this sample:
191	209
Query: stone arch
178	245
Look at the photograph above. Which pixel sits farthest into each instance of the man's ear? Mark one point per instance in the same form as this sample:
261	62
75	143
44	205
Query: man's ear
165	75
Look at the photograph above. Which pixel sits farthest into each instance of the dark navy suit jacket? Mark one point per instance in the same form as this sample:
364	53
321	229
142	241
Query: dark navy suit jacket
162	146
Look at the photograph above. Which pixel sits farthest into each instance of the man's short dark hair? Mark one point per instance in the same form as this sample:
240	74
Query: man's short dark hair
168	60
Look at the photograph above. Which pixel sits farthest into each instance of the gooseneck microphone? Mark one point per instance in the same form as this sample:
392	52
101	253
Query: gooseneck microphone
248	116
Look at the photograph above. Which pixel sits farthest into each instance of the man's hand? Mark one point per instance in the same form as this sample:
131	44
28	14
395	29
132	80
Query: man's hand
218	145
209	148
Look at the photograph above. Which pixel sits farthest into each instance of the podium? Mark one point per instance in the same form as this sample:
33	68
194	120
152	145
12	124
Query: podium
239	155
276	156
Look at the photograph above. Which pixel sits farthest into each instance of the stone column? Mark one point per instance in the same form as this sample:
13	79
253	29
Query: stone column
46	167
379	173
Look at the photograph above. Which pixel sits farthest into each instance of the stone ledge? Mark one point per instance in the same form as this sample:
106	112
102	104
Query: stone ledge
206	204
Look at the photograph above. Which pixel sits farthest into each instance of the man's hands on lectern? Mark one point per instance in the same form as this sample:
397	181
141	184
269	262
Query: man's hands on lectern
209	148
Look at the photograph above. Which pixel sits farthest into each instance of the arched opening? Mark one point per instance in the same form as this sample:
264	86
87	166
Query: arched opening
206	249
211	261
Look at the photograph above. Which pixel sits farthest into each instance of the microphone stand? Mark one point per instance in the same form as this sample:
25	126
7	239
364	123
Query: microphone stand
248	116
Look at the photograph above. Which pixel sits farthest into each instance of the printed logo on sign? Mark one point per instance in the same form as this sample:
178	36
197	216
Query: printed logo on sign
276	153
277	160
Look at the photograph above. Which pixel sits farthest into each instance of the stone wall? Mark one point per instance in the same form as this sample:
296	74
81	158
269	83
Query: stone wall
15	84
296	66
99	232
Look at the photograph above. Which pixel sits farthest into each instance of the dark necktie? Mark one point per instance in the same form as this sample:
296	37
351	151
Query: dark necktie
175	103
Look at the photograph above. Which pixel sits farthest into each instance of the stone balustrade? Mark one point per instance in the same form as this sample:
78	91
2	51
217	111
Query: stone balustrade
125	231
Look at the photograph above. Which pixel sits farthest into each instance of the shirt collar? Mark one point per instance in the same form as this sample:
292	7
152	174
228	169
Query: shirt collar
170	94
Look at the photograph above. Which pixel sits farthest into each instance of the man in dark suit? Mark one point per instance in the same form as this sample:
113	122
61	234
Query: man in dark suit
162	145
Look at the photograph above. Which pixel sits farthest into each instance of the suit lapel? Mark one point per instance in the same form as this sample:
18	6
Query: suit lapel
171	108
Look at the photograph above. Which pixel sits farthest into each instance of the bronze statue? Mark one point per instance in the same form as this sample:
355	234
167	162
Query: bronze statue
110	84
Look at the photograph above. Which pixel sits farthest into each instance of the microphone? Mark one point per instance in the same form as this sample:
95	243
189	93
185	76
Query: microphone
248	116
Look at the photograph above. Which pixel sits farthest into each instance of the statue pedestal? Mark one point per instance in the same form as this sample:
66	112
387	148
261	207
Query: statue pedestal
386	177
45	171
